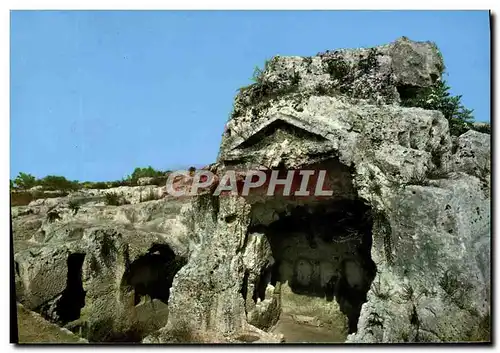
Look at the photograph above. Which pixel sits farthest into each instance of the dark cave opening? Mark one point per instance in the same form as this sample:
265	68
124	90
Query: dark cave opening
323	252
408	92
151	275
72	300
244	286
261	283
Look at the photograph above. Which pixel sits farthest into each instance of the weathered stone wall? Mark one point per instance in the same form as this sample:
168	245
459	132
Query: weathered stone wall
430	212
108	240
418	272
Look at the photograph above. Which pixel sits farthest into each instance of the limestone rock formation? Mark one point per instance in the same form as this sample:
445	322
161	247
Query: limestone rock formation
145	181
401	249
104	272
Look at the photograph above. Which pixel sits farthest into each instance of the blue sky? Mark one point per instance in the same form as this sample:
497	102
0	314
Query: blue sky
95	94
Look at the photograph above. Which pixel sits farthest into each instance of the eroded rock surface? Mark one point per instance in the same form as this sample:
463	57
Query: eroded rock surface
400	251
104	272
413	264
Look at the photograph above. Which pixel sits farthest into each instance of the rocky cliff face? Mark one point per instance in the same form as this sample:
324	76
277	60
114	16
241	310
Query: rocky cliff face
104	272
401	249
400	252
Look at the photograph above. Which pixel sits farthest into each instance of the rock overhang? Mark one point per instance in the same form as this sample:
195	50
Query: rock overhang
370	74
333	128
290	91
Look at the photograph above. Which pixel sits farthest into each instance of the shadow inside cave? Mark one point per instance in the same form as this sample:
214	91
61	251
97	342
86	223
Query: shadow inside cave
320	253
151	275
69	306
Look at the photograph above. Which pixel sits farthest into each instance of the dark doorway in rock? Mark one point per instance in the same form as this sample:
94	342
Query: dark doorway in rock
244	287
262	280
73	297
322	253
151	275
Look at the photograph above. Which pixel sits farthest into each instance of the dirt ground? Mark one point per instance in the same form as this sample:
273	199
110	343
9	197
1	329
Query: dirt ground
295	332
32	328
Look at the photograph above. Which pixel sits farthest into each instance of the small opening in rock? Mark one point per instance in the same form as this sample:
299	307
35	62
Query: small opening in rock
407	92
151	275
244	286
73	297
261	284
16	264
230	218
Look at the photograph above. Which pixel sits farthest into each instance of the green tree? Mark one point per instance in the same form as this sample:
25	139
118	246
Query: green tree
144	172
25	181
438	97
55	182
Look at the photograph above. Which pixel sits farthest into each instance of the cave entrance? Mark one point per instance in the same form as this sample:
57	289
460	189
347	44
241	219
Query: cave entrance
151	275
321	269
146	287
323	265
72	300
317	260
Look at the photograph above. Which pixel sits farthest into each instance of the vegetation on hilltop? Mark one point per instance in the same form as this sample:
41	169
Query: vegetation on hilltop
438	97
435	97
26	181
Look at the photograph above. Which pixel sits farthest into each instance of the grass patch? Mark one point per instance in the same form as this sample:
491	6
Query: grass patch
407	293
377	290
341	72
112	199
437	173
325	89
418	179
259	94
